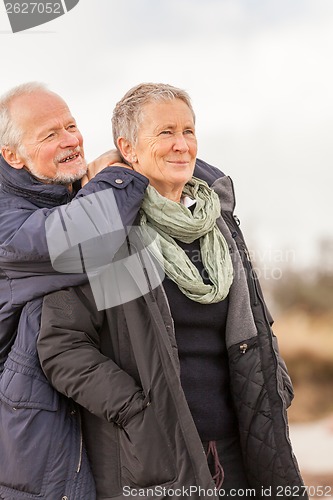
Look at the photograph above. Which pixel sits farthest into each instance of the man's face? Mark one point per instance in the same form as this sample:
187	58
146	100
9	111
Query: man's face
52	146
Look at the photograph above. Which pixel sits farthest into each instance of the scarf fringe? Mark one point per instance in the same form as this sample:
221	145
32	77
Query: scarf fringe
218	476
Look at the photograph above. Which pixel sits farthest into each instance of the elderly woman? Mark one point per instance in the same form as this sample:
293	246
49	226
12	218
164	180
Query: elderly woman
182	390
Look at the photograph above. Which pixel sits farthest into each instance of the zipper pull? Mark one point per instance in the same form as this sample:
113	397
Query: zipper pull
243	348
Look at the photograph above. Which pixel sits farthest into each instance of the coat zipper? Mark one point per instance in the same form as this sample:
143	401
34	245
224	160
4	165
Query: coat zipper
251	277
74	413
242	249
235	222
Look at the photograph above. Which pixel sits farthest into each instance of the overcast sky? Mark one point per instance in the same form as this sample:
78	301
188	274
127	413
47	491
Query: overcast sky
260	74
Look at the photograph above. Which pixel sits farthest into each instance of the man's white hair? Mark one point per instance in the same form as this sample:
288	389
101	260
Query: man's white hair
10	133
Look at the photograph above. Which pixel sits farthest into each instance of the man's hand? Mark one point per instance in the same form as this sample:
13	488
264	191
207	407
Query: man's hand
110	158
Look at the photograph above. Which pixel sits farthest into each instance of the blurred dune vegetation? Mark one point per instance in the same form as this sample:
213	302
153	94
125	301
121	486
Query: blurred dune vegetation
303	312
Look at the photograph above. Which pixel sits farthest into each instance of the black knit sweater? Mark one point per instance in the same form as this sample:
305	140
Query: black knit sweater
200	334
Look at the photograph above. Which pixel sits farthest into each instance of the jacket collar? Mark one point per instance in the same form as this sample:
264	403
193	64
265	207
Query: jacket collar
21	183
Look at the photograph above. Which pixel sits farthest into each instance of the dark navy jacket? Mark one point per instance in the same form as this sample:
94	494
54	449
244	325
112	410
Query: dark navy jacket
41	449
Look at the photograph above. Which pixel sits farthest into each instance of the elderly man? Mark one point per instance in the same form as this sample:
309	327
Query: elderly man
41	165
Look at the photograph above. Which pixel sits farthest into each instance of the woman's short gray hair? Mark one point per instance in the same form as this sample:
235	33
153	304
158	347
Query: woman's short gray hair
127	114
10	134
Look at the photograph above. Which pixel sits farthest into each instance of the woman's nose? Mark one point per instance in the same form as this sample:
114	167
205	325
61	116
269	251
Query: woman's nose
180	143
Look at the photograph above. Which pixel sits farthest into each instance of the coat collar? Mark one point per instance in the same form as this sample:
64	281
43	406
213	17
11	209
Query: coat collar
22	184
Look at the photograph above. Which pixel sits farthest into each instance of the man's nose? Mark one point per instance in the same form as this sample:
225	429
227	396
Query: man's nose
180	143
68	139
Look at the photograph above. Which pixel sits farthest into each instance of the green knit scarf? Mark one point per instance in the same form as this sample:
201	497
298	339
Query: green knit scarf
173	220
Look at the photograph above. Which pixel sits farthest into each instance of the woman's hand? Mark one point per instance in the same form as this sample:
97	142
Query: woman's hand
110	158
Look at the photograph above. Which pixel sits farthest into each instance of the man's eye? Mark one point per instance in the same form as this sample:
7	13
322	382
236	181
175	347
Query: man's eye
50	135
188	131
165	132
72	127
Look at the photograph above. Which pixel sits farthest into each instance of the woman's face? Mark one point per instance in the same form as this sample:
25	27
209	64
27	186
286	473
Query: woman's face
166	146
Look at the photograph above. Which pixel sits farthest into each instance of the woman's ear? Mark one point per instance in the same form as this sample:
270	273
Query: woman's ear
126	149
12	158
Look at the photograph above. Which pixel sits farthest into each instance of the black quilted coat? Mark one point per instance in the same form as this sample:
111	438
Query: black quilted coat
121	366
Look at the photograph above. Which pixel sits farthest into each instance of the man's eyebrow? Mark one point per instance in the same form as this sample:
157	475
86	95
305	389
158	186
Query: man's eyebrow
53	128
46	130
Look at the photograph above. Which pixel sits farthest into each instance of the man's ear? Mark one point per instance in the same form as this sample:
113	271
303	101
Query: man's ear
12	158
127	151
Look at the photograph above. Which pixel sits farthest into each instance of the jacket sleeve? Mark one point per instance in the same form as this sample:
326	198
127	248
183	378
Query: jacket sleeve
25	246
69	351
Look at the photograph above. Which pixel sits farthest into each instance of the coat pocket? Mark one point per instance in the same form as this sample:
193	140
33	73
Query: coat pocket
146	455
28	411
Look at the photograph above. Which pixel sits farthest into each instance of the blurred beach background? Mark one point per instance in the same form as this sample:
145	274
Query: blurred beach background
302	301
260	74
